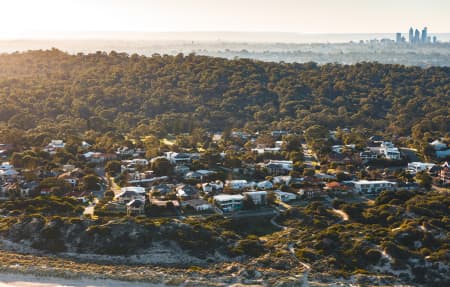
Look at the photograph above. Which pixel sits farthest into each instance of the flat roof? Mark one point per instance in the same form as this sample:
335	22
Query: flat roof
136	189
364	181
224	197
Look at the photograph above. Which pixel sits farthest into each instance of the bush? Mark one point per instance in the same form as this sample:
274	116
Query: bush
248	247
372	256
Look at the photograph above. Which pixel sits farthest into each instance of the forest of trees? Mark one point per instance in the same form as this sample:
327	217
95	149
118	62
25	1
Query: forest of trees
48	94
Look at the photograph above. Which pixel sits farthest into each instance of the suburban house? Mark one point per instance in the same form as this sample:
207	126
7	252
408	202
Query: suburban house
85	145
54	145
277	134
186	192
438	145
164	203
367	155
129	152
212	186
411	186
130	193
373	186
236	184
278	167
99	157
147	180
198	174
282	179
68	177
162	188
415	167
27	188
180	158
266	150
135	207
181	169
444	174
7	171
340	148
139	161
6	165
257	197
337	187
311	191
263	185
228	202
198	205
240	134
285	196
390	151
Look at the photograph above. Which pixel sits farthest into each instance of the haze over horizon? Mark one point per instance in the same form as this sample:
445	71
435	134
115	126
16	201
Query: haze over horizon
65	18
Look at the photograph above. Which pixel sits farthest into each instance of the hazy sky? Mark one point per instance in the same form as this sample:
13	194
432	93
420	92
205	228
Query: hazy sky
25	17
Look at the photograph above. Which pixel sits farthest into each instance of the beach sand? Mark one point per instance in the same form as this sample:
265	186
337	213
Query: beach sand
19	280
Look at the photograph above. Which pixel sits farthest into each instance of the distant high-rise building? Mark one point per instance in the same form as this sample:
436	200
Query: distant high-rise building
424	35
434	39
411	35
398	38
417	36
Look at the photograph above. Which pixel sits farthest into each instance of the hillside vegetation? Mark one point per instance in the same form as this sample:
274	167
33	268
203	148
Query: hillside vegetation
51	93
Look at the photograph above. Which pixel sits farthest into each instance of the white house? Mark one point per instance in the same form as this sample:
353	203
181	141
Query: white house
6	166
390	151
212	186
286	164
415	167
53	145
286	179
258	197
7	171
285	196
236	184
228	202
186	192
198	204
180	158
57	144
130	193
373	186
266	150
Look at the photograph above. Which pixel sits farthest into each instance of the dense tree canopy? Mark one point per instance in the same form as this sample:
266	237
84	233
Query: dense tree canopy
51	93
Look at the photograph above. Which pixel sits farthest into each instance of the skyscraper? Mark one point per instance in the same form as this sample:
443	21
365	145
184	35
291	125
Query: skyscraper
398	38
424	35
411	35
417	36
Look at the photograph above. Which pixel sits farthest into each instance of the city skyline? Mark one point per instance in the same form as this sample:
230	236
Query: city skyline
25	18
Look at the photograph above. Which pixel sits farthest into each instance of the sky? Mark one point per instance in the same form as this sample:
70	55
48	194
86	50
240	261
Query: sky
24	18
